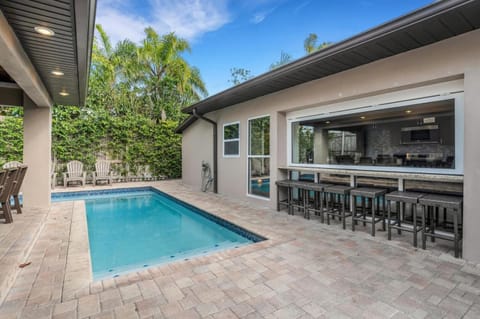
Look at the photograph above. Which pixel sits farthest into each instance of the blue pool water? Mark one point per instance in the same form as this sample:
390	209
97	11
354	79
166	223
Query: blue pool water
137	229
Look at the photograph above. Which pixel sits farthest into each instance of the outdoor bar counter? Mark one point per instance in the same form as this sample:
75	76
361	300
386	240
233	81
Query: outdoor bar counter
442	182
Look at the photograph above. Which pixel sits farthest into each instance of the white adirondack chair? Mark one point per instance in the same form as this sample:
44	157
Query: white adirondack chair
74	173
11	164
102	172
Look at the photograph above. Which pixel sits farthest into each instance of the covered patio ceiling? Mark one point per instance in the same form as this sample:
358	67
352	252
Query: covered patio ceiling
436	22
47	68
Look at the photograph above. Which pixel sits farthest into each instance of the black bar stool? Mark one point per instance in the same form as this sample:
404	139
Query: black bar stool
453	205
287	184
366	194
304	189
336	197
401	199
318	199
302	200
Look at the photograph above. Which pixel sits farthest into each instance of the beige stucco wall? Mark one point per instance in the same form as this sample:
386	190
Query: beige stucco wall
456	58
37	128
197	146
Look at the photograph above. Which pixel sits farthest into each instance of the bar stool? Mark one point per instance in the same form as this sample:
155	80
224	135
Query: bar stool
318	199
304	189
374	195
337	195
287	184
453	205
301	202
401	199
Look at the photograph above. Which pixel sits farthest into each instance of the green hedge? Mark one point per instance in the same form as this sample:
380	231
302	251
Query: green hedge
84	134
11	141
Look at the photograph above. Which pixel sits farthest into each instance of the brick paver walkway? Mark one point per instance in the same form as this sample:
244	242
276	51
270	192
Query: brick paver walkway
304	270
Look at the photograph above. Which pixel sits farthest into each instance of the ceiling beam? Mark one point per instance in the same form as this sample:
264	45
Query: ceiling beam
9	85
17	64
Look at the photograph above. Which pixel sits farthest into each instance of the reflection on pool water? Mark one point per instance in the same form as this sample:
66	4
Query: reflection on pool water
260	187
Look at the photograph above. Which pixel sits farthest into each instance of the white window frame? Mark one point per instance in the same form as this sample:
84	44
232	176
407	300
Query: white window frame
231	140
354	108
258	156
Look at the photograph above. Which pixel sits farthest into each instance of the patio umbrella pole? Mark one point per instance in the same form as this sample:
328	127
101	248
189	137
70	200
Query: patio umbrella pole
215	147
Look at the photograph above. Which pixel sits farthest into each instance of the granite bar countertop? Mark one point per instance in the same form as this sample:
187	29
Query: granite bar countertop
380	174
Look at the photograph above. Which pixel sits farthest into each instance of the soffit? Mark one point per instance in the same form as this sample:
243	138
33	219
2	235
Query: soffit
67	51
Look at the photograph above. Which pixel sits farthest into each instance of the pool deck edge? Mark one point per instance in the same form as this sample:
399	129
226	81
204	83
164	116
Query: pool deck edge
78	272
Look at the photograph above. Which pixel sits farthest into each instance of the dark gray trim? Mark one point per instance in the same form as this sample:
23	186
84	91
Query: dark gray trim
430	24
85	26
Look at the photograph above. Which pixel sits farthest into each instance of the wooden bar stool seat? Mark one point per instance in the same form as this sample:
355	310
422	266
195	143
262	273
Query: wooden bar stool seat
287	184
374	196
318	198
401	199
336	197
453	206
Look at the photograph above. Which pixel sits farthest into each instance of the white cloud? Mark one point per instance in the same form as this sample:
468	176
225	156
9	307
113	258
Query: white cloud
189	19
301	6
120	26
259	16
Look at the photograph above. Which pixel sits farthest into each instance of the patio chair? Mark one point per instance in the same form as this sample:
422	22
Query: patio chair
74	173
133	176
102	172
22	170
3	175
11	164
5	192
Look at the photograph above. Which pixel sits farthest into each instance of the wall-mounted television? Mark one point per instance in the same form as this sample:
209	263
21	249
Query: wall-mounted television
421	134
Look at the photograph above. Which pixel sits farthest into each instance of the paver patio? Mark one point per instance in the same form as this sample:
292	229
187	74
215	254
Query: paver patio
304	270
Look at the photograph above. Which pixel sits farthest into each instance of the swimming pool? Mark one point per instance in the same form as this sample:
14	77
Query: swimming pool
138	228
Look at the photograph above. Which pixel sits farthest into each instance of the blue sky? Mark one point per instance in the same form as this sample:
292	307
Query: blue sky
247	34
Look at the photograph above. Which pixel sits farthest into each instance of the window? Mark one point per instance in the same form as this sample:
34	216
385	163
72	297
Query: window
419	135
231	139
259	157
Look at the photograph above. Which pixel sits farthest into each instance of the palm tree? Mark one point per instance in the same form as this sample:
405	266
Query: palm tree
113	74
310	44
169	81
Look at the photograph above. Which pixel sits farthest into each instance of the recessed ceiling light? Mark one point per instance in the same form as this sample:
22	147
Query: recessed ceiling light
57	73
362	117
327	122
408	111
63	93
44	31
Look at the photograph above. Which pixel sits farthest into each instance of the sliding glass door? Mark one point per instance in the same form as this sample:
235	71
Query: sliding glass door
259	156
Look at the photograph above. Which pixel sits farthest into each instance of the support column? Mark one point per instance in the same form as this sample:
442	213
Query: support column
471	184
37	137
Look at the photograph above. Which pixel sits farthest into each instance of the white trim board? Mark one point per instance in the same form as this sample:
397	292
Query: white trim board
454	90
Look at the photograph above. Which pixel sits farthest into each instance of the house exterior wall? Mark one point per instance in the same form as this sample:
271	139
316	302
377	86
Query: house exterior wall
197	146
419	70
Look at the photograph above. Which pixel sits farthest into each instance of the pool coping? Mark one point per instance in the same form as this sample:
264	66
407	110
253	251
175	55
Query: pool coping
78	269
78	274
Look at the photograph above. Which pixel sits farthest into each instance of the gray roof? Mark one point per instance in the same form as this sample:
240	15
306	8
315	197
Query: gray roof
68	50
436	22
